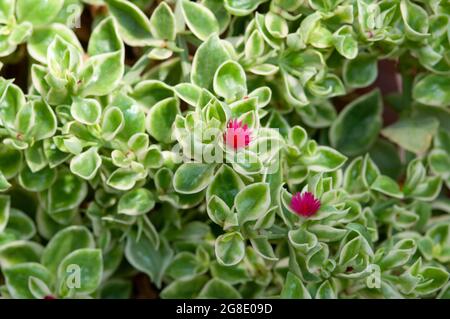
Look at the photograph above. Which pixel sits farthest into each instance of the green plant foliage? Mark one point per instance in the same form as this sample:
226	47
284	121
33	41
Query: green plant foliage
225	149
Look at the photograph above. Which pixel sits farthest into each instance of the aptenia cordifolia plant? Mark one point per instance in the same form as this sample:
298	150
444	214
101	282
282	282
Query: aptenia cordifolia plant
224	148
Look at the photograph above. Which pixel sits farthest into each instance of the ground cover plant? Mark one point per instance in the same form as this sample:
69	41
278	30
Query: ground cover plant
224	149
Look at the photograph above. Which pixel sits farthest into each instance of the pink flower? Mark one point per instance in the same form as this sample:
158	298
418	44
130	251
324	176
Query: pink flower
236	135
305	204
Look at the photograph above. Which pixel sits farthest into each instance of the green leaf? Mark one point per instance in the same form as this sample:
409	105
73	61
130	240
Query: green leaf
252	202
302	240
4	184
160	119
137	202
347	46
144	256
432	89
134	27
20	226
191	178
218	210
219	289
294	288
86	111
80	272
86	164
415	19
162	22
230	248
6	10
398	255
38	12
263	248
5	203
18	276
104	38
358	125
10	161
326	291
433	278
43	36
123	179
67	192
18	252
44	120
361	71
414	135
208	57
230	81
38	288
112	123
387	186
102	73
324	159
242	8
184	288
63	243
200	20
225	185
37	181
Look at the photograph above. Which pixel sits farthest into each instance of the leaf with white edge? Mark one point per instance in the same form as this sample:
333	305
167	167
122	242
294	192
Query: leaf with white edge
112	123
144	256
218	210
38	12
37	181
134	27
230	81
65	242
208	57
387	186
263	248
361	71
160	119
433	89
294	288
38	288
219	289
67	192
86	164
123	179
105	38
17	278
42	36
230	248
80	272
225	185
162	22
86	111
102	73
19	251
324	159
5	203
136	202
200	20
252	202
4	184
357	126
414	135
326	291
191	178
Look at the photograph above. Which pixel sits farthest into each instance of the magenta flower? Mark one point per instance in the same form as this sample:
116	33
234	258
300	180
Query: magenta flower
305	204
237	135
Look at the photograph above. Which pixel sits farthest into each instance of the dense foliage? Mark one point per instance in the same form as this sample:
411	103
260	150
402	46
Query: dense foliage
208	145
